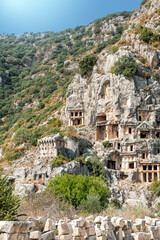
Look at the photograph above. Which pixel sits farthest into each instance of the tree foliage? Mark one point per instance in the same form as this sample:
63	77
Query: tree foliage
155	187
86	65
147	35
96	168
75	189
126	66
9	203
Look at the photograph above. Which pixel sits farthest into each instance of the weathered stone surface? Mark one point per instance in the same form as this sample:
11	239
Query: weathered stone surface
107	225
15	227
49	225
35	235
63	228
14	236
78	232
151	221
110	235
141	236
48	235
90	231
155	232
65	237
98	219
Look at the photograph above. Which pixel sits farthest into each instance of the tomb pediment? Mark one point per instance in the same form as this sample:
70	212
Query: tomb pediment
145	126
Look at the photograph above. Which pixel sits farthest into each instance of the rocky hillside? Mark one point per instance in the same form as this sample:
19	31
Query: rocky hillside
96	87
35	71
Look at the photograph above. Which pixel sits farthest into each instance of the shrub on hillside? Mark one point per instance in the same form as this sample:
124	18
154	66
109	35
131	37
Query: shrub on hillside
75	189
155	187
59	160
86	65
126	66
13	155
22	136
91	204
147	35
9	203
107	144
96	168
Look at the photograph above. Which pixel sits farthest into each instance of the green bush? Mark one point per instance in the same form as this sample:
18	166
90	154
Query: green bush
126	66
155	187
9	203
100	47
81	159
86	65
13	155
91	204
107	144
96	168
75	189
59	160
147	35
22	136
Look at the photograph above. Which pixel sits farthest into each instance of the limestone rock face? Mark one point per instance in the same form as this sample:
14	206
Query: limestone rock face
122	111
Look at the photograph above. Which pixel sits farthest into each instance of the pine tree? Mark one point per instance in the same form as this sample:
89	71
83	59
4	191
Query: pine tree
9	203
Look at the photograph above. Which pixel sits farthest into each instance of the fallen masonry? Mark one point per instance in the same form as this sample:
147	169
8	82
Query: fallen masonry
101	228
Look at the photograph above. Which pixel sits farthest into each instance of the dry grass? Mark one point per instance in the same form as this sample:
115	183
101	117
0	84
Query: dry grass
128	212
47	205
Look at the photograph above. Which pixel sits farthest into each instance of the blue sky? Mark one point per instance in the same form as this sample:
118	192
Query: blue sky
19	16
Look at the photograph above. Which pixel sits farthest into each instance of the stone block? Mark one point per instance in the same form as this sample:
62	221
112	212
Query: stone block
158	223
107	218
118	233
35	235
89	224
127	225
151	221
98	219
155	232
101	238
16	226
65	237
48	236
14	236
90	231
63	228
100	232
107	225
127	233
79	222
78	238
91	238
78	232
97	226
141	236
120	223
110	235
49	225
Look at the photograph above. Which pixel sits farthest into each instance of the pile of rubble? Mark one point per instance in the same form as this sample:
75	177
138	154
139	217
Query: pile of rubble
102	228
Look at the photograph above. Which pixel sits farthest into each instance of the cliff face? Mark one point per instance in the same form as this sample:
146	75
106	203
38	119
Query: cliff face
124	111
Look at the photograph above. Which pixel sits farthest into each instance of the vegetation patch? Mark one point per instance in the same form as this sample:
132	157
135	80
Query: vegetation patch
75	189
86	65
9	203
107	144
147	35
96	168
125	66
59	160
155	187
